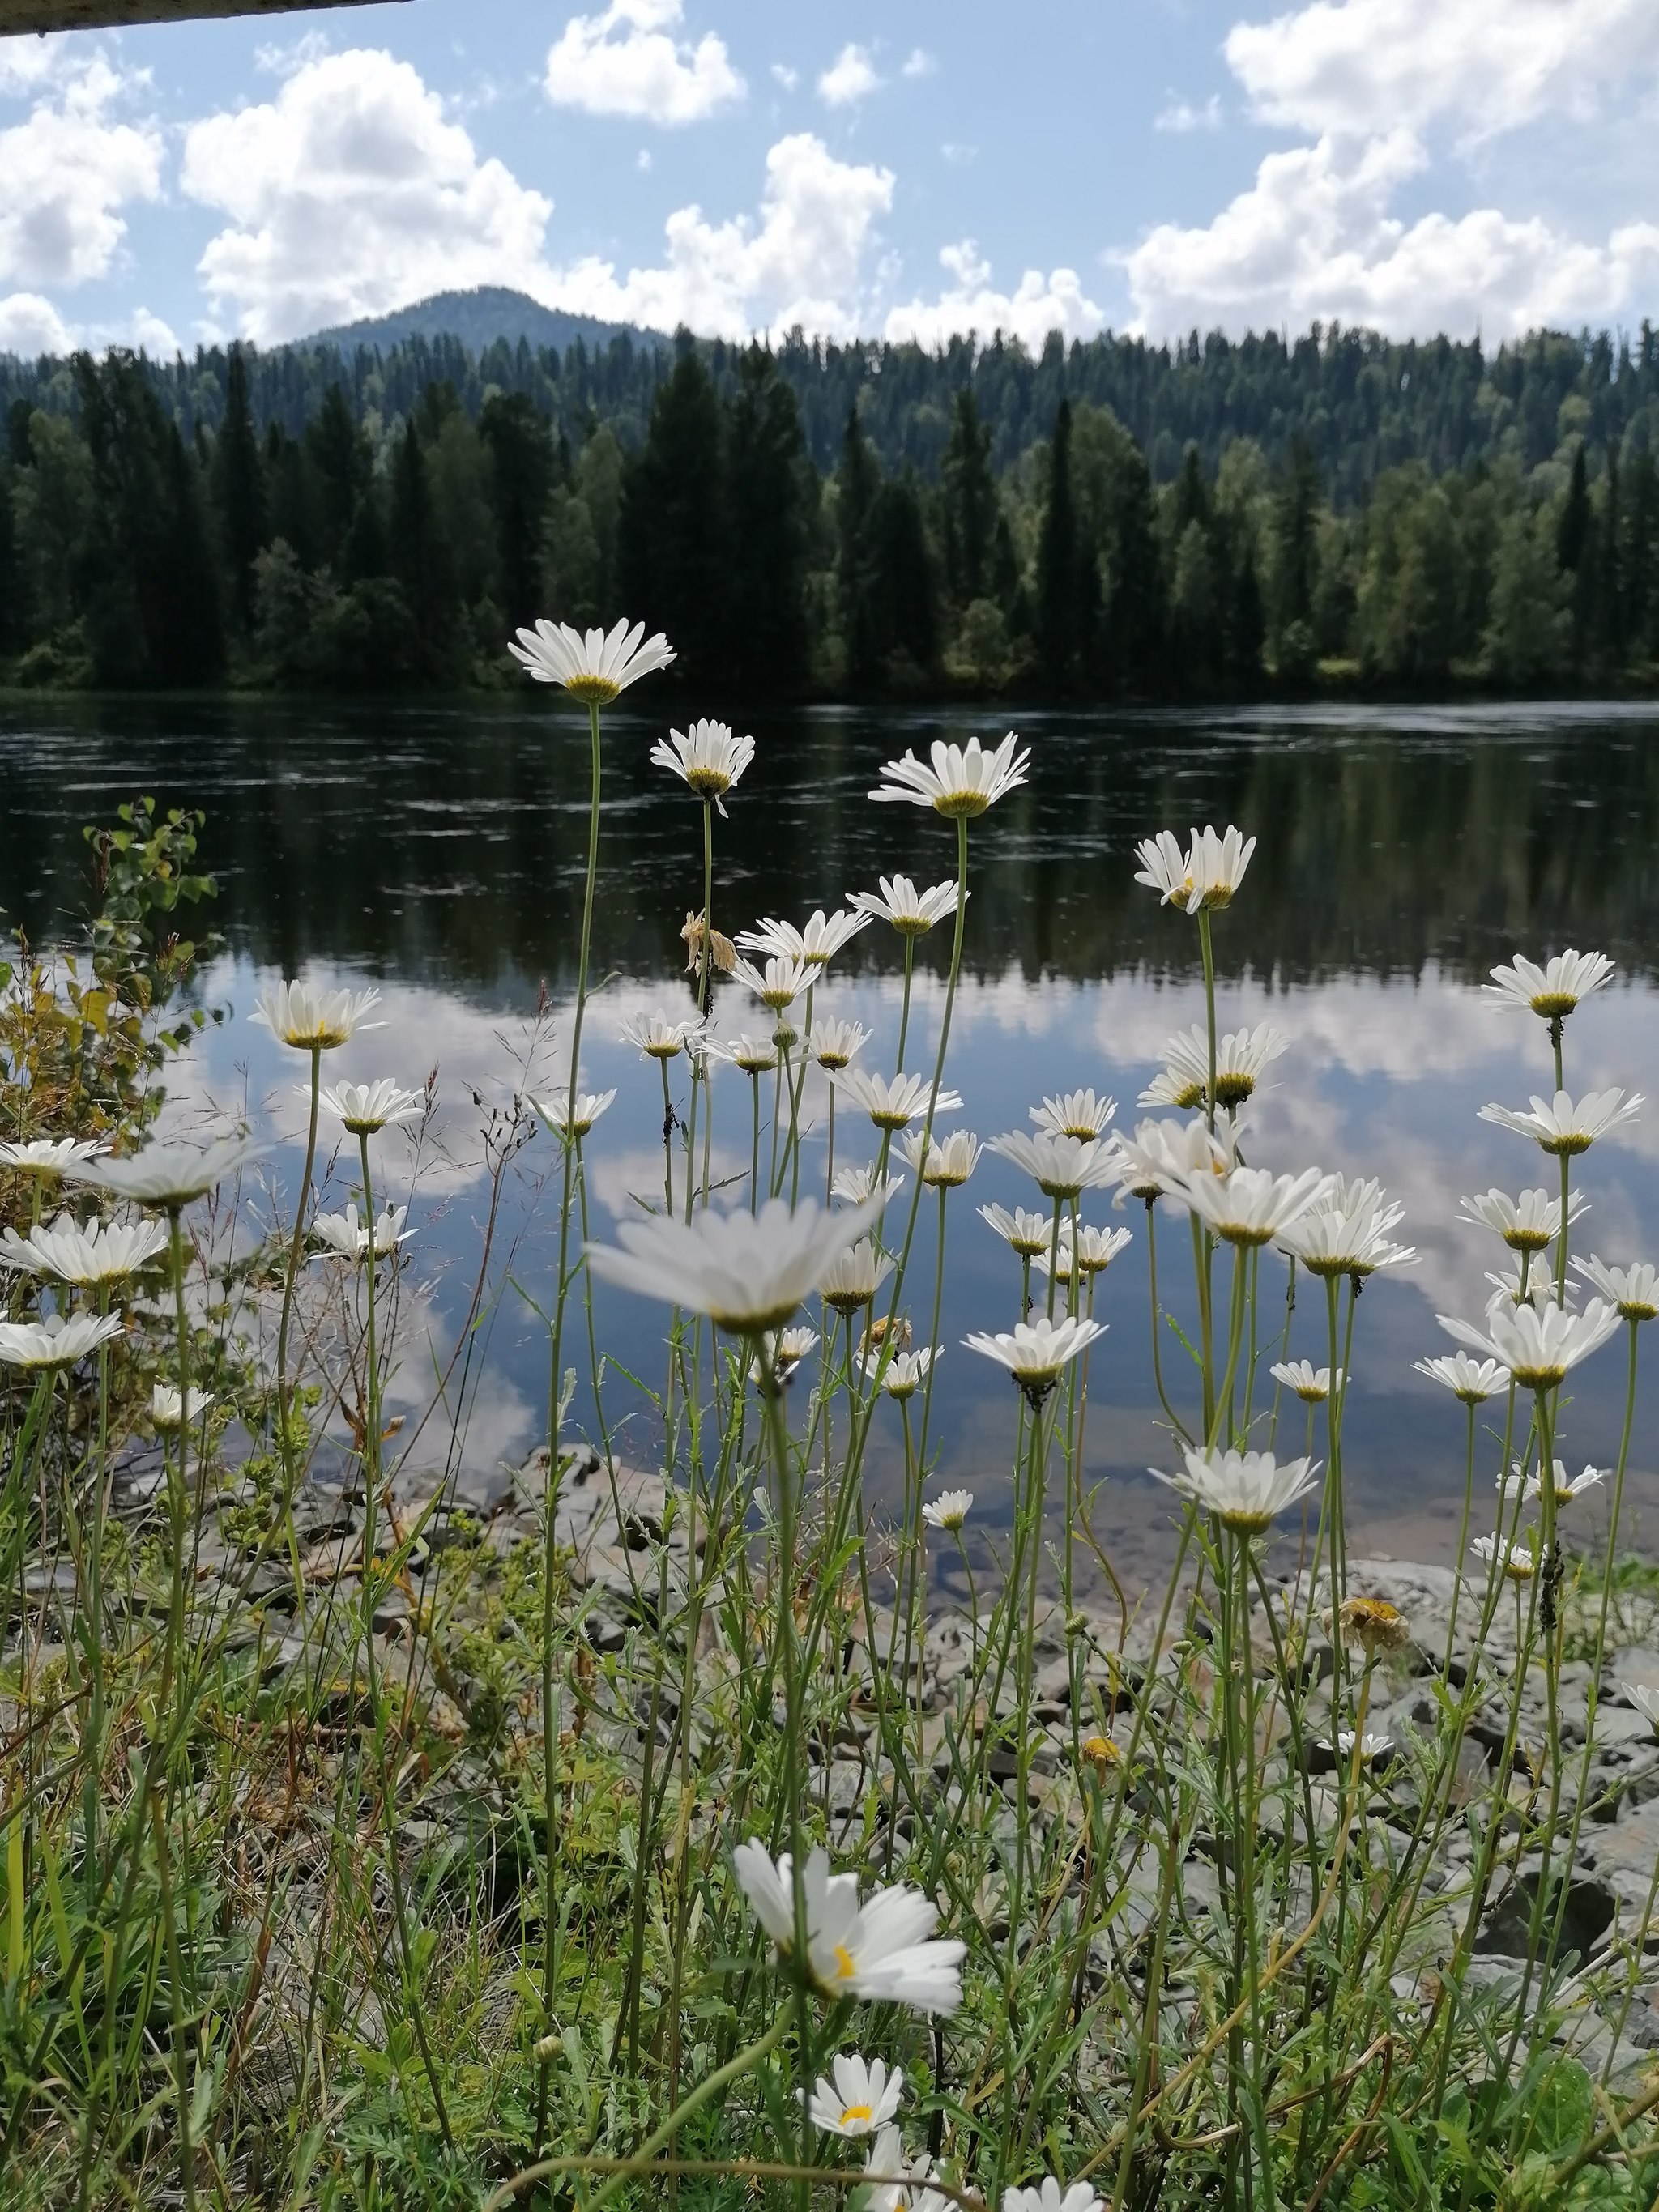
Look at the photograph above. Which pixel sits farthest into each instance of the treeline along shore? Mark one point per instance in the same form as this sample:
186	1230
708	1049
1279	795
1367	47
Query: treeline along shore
1108	521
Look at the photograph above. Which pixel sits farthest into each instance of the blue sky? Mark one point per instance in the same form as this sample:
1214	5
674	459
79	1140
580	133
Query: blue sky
906	169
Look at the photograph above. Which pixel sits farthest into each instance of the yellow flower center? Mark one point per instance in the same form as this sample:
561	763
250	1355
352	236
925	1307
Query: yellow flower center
593	690
1554	1006
1571	1143
959	804
851	2113
845	1968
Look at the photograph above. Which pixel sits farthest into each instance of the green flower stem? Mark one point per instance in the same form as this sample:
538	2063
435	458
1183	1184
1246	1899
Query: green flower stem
1176	1422
904	1010
372	1425
706	960
668	1145
933	1339
550	1493
296	1243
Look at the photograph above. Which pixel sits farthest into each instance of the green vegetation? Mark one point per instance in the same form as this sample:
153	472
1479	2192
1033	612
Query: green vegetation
1113	521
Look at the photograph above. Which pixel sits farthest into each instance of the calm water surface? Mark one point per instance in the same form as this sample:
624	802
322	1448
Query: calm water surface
438	850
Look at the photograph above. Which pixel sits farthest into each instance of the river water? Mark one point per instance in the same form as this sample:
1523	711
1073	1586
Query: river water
437	850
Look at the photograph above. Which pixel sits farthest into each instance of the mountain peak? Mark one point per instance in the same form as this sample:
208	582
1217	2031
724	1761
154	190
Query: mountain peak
478	319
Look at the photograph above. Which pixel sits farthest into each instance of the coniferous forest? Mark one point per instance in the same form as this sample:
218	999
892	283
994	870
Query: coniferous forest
1111	521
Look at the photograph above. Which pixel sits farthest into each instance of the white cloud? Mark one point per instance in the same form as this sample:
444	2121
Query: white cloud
642	161
153	336
1181	116
918	62
849	77
67	169
1314	237
1377	88
26	63
787	77
282	58
958	155
801	264
1357	66
645	72
1040	304
350	194
30	325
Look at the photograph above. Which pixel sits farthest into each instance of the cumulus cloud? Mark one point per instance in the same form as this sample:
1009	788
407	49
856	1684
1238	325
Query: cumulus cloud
971	302
1377	86
646	71
918	62
849	78
1314	237
1339	66
351	193
30	325
801	262
787	77
69	167
1181	116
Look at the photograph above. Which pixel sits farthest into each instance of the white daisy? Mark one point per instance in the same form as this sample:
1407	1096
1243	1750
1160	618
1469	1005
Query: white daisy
854	1277
1474	1381
707	759
658	1037
1074	1114
854	1185
49	1156
905	1373
911	912
1161	1157
948	1510
1565	1487
595	667
102	1252
166	1407
1241	1057
777	985
754	1055
1538	1347
167	1174
879	1949
1028	1233
746	1272
1534	1286
1345	1231
1520	1563
1552	991
893	1103
1526	1224
1252	1206
312	1020
948	1161
963	781
834	1043
1645	1700
812	947
1048	2196
1201	878
1096	1249
902	2183
366	1107
862	2097
1566	1124
785	1348
556	1110
1035	1352
346	1236
1310	1383
1244	1490
1633	1290
1060	1167
57	1341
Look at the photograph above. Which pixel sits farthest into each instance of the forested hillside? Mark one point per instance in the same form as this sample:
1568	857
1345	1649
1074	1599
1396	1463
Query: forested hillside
1109	520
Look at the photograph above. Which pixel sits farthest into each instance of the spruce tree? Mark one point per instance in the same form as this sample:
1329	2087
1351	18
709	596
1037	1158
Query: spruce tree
1057	592
340	466
906	601
673	534
858	487
238	491
187	644
968	504
419	557
521	476
768	492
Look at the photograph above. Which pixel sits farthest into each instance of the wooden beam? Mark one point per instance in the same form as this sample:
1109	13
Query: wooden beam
20	15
